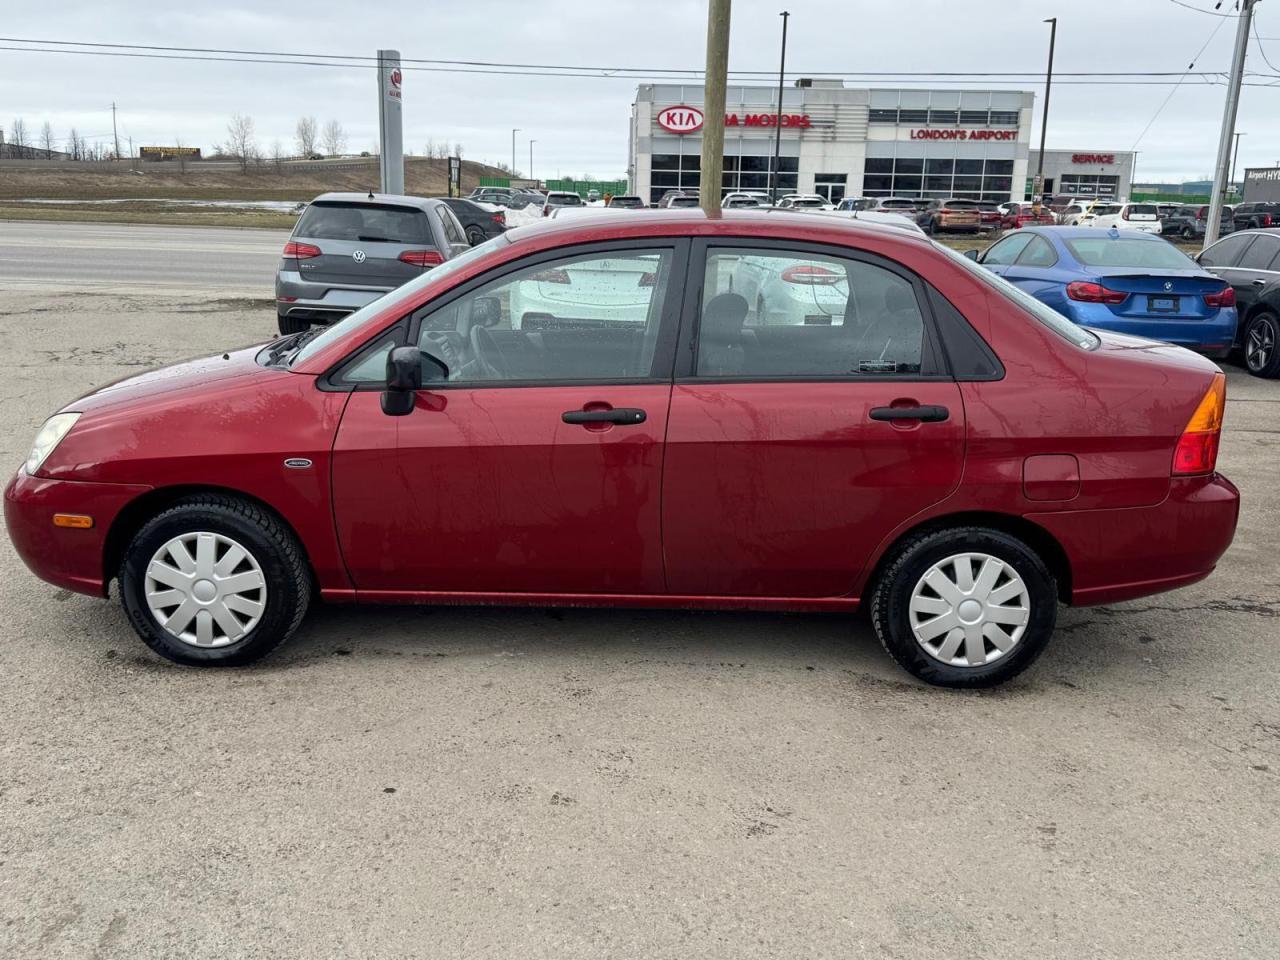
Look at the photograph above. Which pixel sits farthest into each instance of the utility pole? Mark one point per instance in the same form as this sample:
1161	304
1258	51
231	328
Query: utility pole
1229	120
531	143
514	131
1038	187
717	78
777	133
114	133
1235	157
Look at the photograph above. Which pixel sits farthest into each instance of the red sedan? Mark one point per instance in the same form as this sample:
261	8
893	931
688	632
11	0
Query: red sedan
1019	215
590	412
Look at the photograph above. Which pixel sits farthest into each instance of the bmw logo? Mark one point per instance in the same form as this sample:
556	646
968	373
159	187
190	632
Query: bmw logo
358	256
1167	285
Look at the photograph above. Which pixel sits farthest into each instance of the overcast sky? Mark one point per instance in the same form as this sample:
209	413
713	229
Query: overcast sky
580	124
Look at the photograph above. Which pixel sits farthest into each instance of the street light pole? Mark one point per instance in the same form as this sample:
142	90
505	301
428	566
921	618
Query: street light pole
1235	157
531	143
1229	120
514	131
777	120
1038	197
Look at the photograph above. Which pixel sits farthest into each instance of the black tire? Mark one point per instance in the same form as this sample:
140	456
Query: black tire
271	544
475	236
1260	345
290	325
909	562
933	227
1188	233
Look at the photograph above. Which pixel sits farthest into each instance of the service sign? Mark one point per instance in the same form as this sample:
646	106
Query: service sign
1093	158
680	119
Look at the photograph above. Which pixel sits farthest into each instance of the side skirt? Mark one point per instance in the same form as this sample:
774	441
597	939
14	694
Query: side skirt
657	601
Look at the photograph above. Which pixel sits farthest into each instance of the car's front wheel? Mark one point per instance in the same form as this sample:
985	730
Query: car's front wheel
964	607
214	581
290	325
1261	337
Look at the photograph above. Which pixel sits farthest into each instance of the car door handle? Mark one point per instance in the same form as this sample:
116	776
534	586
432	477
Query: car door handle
930	413
1259	282
621	416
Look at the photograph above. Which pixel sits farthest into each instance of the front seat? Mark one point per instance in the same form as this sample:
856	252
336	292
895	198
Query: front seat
720	338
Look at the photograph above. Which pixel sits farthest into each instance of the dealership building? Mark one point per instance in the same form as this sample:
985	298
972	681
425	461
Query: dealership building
840	141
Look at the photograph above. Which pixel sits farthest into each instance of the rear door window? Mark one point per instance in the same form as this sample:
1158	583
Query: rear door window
800	315
1260	254
1038	253
1226	252
449	224
365	222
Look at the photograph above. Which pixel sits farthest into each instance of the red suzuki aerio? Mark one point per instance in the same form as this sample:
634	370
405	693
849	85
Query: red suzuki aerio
757	410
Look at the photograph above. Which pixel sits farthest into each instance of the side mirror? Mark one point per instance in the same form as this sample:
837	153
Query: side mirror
971	255
404	378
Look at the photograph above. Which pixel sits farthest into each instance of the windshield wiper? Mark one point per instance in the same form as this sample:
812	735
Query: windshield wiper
290	345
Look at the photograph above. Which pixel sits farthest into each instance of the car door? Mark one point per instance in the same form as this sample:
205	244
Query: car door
1034	268
793	449
1254	271
451	232
535	465
1223	259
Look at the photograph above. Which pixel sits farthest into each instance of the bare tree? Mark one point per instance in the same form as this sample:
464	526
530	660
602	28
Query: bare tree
277	151
18	134
241	140
305	136
457	150
46	140
335	138
73	144
182	157
430	148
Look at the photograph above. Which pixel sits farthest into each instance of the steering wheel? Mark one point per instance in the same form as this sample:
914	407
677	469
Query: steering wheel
442	345
487	353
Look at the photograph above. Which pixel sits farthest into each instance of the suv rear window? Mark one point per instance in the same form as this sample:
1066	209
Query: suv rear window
1144	209
367	222
564	200
961	205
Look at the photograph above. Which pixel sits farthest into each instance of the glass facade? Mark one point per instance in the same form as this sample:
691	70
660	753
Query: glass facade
908	117
1088	185
683	171
969	178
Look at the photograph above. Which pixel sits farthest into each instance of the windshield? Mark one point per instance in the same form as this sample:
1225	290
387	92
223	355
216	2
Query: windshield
1055	321
1106	251
436	276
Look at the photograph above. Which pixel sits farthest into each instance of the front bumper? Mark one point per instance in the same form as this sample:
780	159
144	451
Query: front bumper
1134	552
68	558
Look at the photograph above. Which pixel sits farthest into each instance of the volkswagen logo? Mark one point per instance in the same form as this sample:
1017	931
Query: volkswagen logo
1167	285
358	256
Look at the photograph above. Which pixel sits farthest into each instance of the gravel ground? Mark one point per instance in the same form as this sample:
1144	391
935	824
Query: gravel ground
406	782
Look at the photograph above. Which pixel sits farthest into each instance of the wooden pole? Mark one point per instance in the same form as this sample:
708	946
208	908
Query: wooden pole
717	78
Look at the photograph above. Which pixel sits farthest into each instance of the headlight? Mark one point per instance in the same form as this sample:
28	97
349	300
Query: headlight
50	435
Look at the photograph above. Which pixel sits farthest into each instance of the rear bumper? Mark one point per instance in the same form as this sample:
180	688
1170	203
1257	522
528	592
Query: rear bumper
320	301
1122	554
1212	336
72	559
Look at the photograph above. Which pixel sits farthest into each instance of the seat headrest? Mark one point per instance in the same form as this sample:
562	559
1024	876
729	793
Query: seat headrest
723	317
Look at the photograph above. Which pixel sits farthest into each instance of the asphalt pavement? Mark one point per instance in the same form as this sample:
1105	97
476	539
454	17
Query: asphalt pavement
128	258
463	782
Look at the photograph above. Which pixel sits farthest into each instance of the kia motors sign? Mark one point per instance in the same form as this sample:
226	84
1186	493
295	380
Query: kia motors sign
680	119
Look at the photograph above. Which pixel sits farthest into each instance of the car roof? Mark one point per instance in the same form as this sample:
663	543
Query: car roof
382	199
1064	232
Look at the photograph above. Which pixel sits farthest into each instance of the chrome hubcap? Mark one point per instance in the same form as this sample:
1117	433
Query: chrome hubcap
1259	344
969	610
205	589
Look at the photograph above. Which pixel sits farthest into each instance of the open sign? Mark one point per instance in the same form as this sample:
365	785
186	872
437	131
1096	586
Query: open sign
680	119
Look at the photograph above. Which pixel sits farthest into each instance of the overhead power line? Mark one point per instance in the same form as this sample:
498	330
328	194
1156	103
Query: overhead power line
1160	109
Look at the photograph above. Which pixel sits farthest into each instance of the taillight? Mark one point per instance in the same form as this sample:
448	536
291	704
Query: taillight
1197	449
422	258
810	275
301	251
546	211
1087	292
1226	297
1266	219
499	218
1124	214
554	275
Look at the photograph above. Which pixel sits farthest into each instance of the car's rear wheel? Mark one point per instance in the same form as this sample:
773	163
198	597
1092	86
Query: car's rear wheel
214	581
964	607
289	324
1260	341
475	236
1188	233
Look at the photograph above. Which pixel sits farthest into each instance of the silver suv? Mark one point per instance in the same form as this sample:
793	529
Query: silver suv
350	248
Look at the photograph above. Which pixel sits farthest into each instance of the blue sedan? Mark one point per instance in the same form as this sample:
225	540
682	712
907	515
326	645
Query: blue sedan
1119	280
